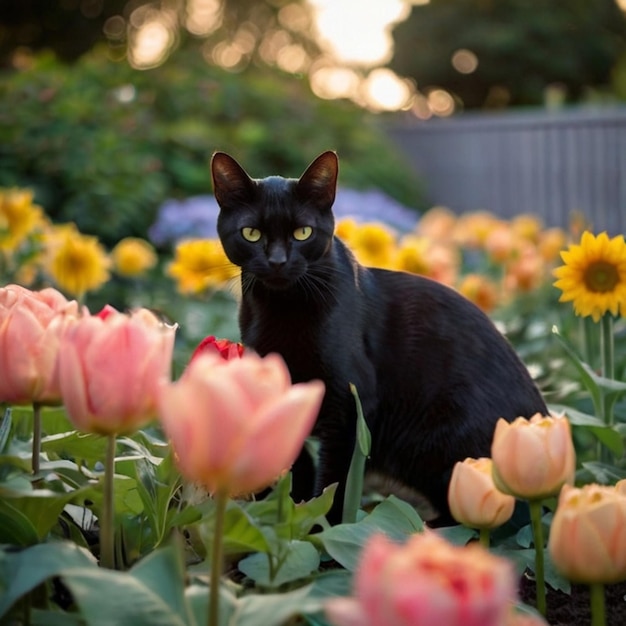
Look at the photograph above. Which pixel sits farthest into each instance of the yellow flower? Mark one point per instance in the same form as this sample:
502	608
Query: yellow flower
345	229
373	245
133	256
527	227
480	290
78	263
18	217
594	275
200	264
413	255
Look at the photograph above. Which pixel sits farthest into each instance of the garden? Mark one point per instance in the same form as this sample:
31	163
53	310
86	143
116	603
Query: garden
136	430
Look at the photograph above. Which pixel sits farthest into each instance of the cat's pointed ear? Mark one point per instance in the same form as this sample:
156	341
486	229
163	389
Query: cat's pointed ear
319	180
230	180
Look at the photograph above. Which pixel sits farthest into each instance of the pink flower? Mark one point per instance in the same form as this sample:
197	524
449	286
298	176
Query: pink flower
237	425
110	370
225	348
426	581
31	326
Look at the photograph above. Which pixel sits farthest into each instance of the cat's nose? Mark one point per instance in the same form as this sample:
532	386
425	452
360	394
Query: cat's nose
277	257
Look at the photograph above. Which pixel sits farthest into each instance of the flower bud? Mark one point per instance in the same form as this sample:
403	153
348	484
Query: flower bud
474	499
533	459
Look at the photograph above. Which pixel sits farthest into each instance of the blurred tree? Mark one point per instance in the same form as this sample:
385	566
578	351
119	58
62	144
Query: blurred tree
234	32
495	53
69	28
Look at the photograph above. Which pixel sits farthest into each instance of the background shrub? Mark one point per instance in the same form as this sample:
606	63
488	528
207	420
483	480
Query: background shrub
104	145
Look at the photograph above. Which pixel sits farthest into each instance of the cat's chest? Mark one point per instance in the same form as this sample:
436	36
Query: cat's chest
294	334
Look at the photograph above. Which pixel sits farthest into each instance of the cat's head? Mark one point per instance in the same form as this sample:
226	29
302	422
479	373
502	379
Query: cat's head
276	229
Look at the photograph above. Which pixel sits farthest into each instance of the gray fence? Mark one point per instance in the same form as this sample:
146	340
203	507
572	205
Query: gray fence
549	163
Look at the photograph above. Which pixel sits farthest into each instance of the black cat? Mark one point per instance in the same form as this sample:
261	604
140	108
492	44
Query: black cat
432	371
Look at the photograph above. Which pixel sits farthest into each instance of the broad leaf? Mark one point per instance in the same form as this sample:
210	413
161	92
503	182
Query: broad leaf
41	506
393	517
152	592
298	559
274	609
22	571
15	528
608	435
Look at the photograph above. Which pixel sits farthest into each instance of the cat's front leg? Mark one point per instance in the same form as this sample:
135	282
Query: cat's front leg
334	459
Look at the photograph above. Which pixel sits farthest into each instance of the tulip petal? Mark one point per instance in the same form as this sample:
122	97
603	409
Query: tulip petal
281	426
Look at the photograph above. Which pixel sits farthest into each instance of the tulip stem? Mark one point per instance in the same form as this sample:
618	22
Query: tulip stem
484	537
535	520
217	557
107	543
36	437
596	592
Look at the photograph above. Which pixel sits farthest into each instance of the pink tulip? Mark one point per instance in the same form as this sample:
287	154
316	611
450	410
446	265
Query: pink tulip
533	459
473	498
588	534
237	425
110	370
31	326
426	581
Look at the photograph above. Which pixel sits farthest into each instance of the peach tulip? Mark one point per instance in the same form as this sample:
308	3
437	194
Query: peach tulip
533	459
111	368
588	534
236	425
426	581
31	326
473	498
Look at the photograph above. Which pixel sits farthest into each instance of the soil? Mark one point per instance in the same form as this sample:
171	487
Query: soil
574	609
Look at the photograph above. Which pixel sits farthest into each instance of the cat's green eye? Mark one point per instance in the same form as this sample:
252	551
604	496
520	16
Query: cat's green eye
302	233
251	234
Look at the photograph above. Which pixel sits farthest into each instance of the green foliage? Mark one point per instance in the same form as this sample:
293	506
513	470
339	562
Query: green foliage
104	145
522	48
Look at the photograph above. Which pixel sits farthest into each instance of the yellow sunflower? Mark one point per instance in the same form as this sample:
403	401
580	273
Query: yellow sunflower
594	275
78	263
200	264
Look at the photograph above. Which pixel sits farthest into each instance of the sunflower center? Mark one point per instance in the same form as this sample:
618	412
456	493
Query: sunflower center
601	277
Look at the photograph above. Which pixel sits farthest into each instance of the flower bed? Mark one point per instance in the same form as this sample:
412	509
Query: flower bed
128	454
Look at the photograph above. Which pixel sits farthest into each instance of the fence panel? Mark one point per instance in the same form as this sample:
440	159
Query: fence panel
550	163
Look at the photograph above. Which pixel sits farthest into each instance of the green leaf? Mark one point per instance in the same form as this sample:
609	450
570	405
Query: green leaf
356	472
604	473
608	435
85	447
15	528
22	571
163	572
298	519
242	533
274	609
42	506
583	369
108	597
197	598
297	560
393	517
332	584
458	535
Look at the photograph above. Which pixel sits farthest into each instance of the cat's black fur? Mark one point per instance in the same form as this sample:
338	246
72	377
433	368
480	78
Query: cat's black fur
432	371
